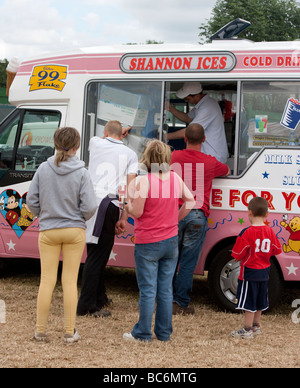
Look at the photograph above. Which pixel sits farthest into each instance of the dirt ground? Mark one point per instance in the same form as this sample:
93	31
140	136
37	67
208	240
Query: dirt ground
200	341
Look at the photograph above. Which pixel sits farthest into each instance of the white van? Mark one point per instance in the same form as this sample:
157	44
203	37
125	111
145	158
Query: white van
258	88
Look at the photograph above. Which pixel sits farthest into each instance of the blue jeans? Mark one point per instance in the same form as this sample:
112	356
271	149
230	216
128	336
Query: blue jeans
192	233
155	266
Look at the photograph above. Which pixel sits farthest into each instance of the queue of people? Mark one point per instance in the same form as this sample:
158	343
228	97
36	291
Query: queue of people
170	217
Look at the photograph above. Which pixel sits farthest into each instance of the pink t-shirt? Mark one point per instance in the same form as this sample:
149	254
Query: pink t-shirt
159	220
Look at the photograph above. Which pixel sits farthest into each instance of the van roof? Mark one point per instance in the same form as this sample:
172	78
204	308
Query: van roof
234	58
228	45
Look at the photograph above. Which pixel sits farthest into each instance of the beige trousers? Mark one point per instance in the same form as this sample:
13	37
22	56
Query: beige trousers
70	242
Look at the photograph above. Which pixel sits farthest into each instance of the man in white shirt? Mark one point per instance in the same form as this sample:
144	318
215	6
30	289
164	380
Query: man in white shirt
111	164
207	113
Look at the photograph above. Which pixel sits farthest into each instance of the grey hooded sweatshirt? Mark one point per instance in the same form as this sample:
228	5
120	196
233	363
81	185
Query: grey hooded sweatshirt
62	197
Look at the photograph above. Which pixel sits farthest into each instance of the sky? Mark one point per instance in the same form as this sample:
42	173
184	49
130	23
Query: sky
29	28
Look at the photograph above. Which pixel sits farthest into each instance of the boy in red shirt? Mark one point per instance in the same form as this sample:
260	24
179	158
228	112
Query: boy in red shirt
254	248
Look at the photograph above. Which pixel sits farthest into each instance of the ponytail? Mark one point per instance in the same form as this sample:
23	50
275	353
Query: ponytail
61	156
65	139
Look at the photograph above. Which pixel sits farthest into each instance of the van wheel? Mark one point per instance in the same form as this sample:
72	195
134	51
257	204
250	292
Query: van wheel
223	281
276	284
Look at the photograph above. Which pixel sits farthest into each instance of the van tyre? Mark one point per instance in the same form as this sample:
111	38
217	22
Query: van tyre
223	280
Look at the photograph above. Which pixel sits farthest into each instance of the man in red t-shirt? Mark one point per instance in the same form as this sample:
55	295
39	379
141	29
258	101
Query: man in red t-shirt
197	171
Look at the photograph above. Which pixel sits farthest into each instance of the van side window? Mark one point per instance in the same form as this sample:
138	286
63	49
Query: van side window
26	140
8	132
262	107
223	92
134	104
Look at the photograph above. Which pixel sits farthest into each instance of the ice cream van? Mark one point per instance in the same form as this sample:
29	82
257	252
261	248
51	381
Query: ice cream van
257	86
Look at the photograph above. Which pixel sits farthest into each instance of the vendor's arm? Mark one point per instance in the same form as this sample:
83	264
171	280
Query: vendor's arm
176	135
182	116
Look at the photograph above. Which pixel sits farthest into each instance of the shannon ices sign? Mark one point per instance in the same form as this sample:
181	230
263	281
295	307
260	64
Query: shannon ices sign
184	62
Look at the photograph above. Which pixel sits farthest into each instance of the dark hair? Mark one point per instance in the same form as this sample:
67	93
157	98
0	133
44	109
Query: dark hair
65	139
195	134
259	207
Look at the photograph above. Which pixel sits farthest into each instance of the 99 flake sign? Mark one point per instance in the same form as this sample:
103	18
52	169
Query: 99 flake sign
48	77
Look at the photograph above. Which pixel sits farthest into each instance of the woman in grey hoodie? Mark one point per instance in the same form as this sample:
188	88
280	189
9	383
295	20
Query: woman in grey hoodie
62	196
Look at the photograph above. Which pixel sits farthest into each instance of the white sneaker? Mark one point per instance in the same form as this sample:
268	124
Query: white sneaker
256	330
242	333
70	339
42	337
129	337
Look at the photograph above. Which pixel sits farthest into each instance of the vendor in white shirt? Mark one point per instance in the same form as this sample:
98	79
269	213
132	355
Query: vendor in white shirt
207	113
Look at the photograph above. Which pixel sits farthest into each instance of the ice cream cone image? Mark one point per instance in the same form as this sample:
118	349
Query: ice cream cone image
11	72
9	80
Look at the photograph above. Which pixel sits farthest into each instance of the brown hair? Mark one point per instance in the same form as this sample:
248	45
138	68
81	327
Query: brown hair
65	139
195	134
259	207
156	156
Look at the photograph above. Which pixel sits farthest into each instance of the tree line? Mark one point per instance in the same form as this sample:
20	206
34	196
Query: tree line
3	65
271	20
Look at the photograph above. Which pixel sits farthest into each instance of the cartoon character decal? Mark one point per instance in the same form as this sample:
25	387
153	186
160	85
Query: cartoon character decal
26	216
12	208
15	211
294	228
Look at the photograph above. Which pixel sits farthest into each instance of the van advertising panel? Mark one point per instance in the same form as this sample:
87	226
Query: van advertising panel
185	62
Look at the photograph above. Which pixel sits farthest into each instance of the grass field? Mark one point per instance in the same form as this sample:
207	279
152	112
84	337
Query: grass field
200	341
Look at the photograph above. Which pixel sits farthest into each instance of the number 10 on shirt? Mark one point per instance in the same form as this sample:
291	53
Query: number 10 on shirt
263	246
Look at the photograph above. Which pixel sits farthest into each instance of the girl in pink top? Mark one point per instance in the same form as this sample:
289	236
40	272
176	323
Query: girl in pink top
155	208
159	220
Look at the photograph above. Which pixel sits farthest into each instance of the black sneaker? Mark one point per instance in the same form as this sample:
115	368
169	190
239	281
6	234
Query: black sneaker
182	310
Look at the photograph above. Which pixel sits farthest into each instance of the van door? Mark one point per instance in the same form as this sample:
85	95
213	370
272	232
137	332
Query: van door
26	141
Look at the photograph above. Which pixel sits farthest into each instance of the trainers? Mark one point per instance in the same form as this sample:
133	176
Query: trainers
242	333
42	337
256	330
108	302
129	337
101	313
68	338
182	310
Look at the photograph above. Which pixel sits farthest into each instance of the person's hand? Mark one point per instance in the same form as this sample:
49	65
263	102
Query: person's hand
120	227
125	131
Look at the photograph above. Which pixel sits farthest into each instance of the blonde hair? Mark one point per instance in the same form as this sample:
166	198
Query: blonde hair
65	139
114	128
156	156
